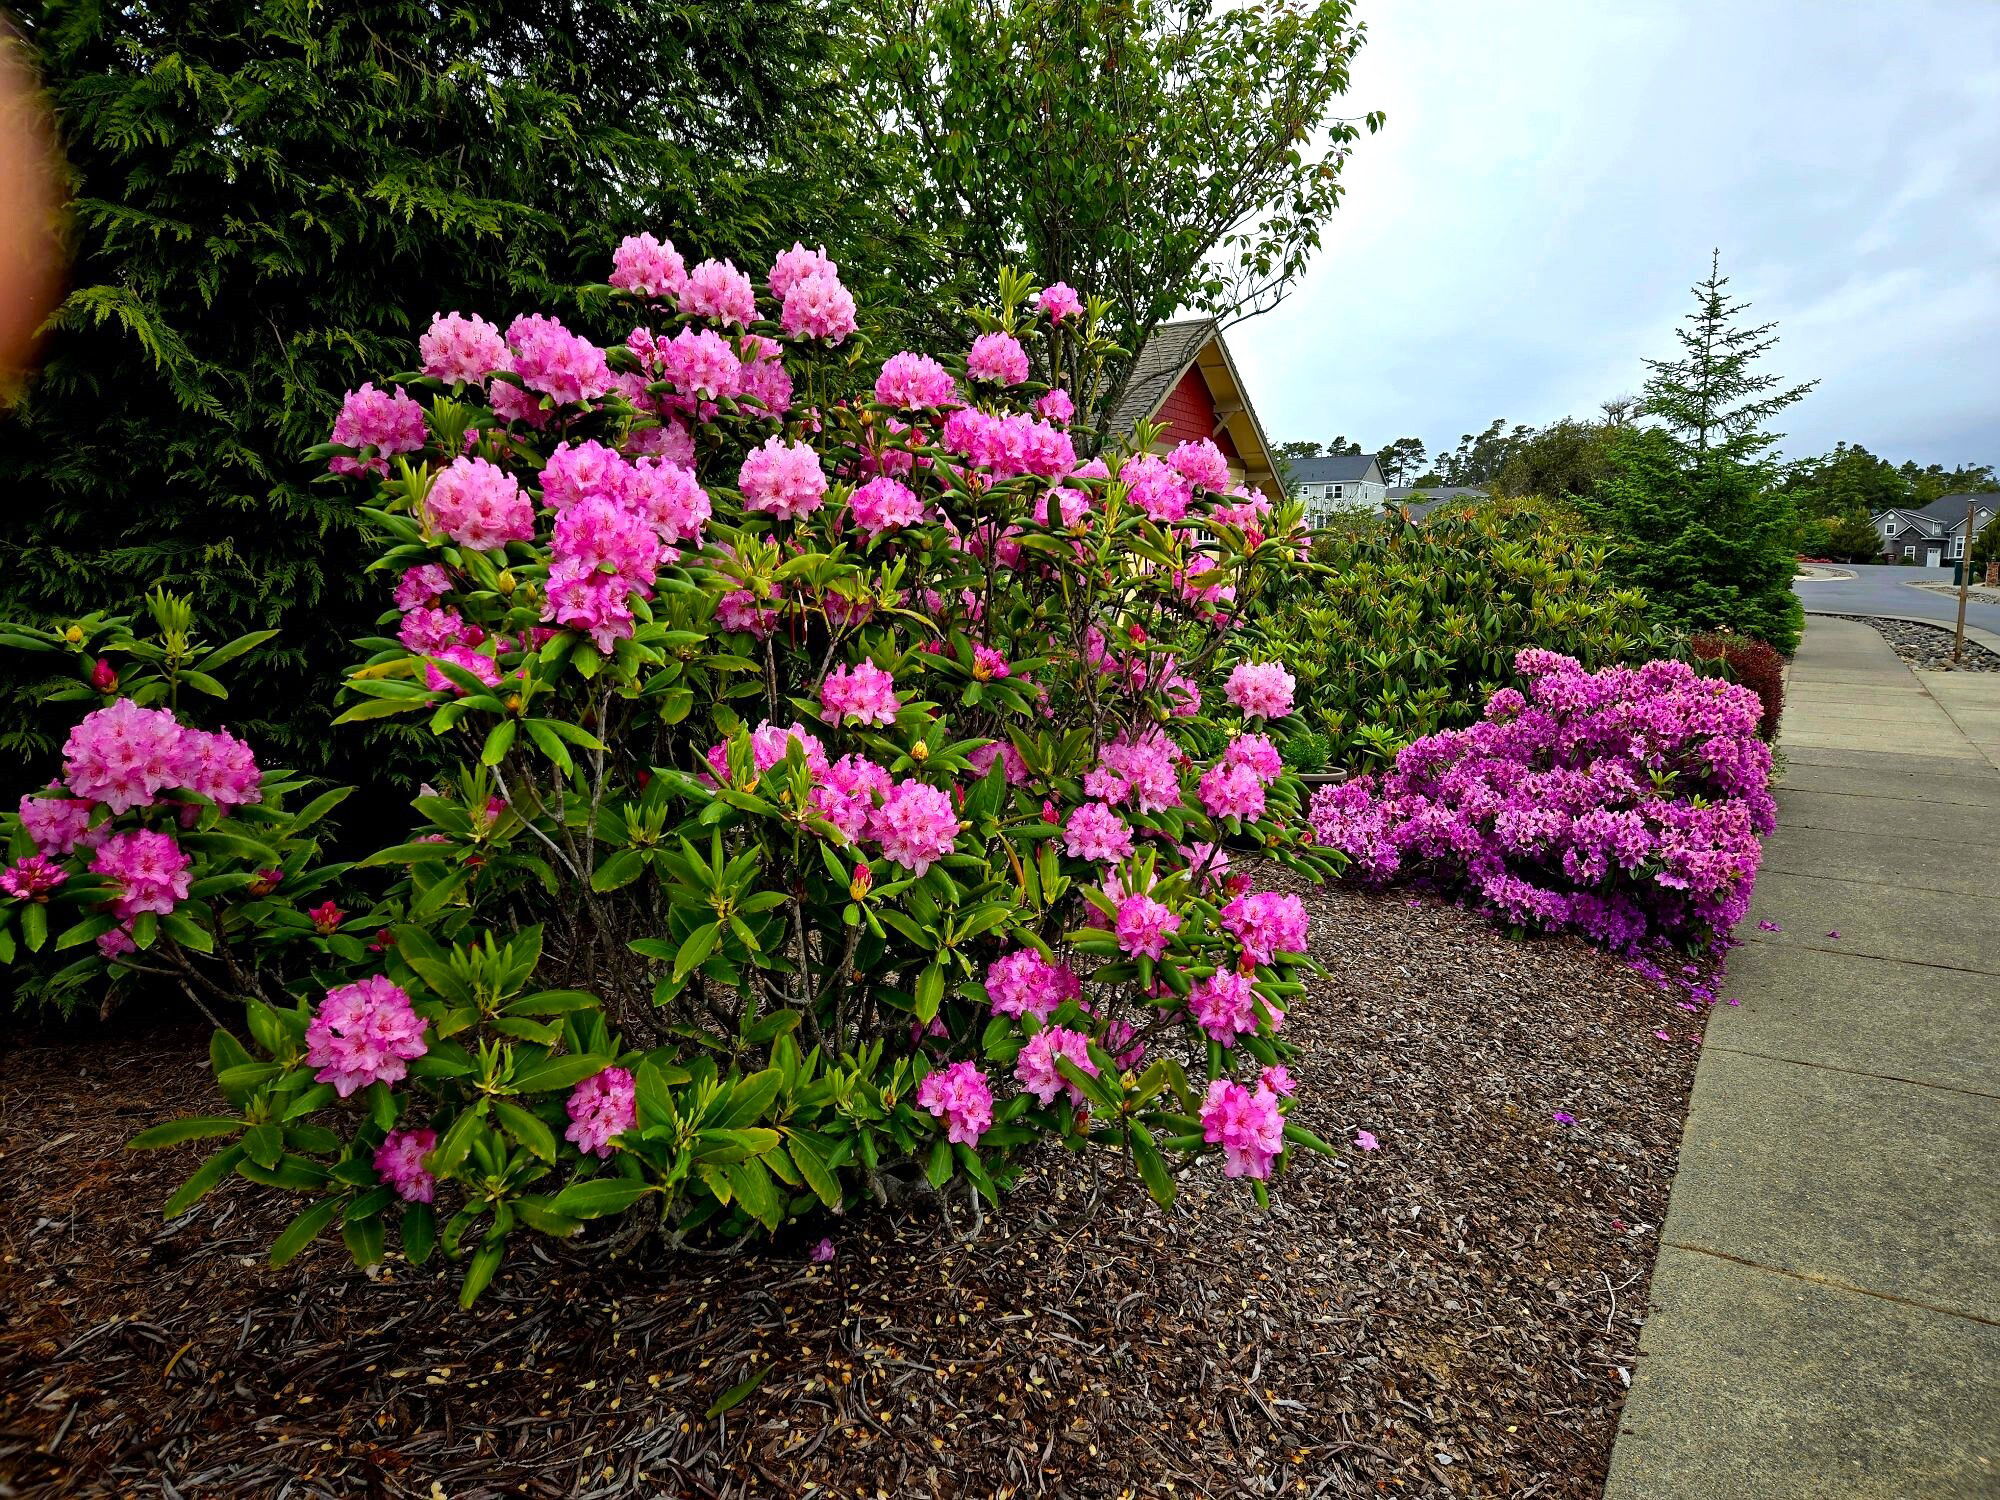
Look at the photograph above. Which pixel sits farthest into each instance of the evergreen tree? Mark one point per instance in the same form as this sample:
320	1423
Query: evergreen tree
1693	500
271	198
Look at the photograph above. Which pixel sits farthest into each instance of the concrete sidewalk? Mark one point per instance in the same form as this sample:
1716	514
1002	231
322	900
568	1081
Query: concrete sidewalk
1826	1303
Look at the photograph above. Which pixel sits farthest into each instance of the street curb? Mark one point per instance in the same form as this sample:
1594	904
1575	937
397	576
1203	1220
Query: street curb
1975	633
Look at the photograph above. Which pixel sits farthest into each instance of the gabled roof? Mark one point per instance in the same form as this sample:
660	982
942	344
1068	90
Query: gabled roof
1333	468
1195	345
1945	510
1400	494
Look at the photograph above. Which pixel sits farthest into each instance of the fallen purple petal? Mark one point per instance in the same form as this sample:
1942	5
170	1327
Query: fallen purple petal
1365	1139
1564	1117
1769	927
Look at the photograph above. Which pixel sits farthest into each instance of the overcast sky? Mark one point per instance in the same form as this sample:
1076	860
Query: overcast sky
1554	172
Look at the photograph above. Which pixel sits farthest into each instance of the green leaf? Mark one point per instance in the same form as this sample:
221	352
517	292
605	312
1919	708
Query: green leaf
620	870
596	1197
737	1394
364	1239
419	1233
499	741
812	1166
303	1231
749	1100
700	943
530	1130
173	1132
204	1177
557	1073
479	1274
930	992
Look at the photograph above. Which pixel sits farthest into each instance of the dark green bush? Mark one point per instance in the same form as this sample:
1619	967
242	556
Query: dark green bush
1400	630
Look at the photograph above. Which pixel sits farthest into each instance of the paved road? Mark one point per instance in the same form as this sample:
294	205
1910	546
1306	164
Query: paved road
1826	1306
1884	589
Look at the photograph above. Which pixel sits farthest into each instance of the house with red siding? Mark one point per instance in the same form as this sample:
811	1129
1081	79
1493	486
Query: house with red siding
1186	381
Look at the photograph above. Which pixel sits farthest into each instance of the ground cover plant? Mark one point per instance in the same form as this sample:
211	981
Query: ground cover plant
1401	630
1625	804
811	825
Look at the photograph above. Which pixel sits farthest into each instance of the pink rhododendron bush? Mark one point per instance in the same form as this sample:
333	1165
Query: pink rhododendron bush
1626	804
811	815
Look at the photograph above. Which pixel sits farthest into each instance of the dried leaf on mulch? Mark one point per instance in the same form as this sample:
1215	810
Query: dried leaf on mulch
1455	1313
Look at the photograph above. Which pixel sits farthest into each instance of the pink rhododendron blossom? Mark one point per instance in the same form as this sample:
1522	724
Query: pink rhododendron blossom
584	471
782	479
648	267
32	878
388	423
700	363
915	382
479	505
57	824
463	350
1144	925
884	504
1365	1139
739	609
1201	464
601	1108
422	585
1248	1126
399	1162
765	377
997	359
862	694
796	265
847	795
1095	832
218	766
1278	1081
426	630
1023	983
982	759
603	554
1257	752
556	363
916	825
116	943
1224	1006
364	1033
818	307
961	1097
1156	487
1143	769
480	665
771	743
123	755
1056	406
1233	792
1060	300
1035	1068
1266	924
668	498
717	290
1261	689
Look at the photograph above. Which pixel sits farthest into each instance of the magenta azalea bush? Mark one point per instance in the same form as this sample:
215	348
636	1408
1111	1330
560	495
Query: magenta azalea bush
1626	804
815	814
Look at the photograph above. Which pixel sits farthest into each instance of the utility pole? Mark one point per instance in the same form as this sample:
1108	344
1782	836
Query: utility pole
1964	585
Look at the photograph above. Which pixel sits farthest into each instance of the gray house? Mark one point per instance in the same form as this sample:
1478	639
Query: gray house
1417	501
1330	486
1933	536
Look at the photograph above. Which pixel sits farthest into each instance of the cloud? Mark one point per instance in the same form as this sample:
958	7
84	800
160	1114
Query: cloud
1552	177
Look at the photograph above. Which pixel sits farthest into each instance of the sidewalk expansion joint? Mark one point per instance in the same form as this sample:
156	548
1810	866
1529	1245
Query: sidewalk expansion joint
1880	958
1799	1062
1833	1283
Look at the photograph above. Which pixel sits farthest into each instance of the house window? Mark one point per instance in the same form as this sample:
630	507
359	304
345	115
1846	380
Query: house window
1958	546
1909	552
1888	528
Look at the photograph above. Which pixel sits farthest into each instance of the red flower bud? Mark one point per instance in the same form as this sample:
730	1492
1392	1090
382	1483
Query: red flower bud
327	917
103	678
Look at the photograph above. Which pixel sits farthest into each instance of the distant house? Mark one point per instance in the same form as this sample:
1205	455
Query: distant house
1932	536
1186	380
1419	500
1342	482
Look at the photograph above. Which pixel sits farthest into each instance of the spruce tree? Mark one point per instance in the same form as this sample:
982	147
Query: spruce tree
1693	497
271	199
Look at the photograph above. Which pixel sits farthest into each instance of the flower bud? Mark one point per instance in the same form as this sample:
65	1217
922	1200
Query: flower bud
74	635
920	752
103	678
862	883
505	582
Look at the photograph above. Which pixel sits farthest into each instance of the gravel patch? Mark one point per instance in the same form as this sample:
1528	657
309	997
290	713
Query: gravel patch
1928	647
1454	1313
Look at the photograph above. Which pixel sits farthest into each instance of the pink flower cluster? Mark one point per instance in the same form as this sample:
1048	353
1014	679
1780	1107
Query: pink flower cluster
884	504
1261	690
1265	924
862	694
463	350
648	267
1095	832
1250	1127
1225	1006
601	1108
1009	444
718	291
782	479
915	382
389	424
56	824
1035	1068
1025	983
997	359
1060	301
602	554
916	825
32	878
399	1162
1144	927
1156	487
961	1097
1143	768
479	505
364	1033
1626	804
149	869
124	756
552	361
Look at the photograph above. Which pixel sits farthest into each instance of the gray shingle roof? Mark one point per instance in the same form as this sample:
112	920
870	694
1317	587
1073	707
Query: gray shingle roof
1347	466
1167	354
1945	510
1409	494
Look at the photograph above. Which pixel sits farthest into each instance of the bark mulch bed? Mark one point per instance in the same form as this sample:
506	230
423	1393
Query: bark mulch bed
1455	1313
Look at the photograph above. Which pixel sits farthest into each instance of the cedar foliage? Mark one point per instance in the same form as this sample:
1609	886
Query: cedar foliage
270	199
